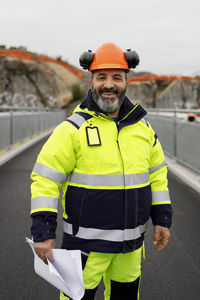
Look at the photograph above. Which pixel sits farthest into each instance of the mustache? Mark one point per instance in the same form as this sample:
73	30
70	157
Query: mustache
104	90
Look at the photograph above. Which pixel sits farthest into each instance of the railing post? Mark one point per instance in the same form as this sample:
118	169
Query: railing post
175	133
11	128
32	116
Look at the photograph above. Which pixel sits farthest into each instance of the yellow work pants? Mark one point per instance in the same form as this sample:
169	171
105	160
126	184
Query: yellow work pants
118	267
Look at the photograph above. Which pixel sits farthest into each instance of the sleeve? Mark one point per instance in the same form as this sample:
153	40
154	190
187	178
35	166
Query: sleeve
55	161
161	210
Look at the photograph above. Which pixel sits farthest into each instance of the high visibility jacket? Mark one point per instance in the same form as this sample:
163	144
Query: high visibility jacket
113	175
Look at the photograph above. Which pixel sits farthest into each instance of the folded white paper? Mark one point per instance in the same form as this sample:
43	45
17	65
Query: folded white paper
65	273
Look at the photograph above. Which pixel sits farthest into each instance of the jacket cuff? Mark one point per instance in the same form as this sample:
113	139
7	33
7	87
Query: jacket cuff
161	215
43	226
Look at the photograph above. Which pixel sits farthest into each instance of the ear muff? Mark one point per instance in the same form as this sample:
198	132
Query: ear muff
86	59
132	58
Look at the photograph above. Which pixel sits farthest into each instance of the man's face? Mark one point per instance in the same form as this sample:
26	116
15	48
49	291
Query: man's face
108	89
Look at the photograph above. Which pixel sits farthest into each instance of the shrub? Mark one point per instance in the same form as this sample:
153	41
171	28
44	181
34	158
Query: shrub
77	92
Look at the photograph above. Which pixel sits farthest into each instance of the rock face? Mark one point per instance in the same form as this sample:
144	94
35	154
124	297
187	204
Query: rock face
36	82
181	94
142	93
165	91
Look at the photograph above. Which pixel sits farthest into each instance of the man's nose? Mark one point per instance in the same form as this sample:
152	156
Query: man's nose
108	83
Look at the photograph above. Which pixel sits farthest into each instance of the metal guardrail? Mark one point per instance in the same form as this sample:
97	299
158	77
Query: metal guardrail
179	137
20	123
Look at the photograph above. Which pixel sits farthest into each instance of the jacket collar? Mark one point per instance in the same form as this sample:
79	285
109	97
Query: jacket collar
128	114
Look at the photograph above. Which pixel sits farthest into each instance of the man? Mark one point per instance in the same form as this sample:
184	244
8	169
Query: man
112	169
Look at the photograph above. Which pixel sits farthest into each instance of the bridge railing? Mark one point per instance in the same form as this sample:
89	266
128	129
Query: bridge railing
179	137
17	124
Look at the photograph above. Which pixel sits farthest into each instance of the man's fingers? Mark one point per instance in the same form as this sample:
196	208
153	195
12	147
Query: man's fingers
161	237
42	255
161	244
49	255
156	239
44	250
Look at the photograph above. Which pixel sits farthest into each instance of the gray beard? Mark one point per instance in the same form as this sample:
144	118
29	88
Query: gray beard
108	105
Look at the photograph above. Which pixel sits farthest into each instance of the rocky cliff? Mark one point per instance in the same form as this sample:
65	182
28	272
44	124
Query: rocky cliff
29	79
165	91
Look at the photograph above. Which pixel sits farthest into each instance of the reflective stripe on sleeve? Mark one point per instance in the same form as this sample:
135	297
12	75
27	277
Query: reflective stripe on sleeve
151	170
109	180
113	235
161	197
44	202
49	173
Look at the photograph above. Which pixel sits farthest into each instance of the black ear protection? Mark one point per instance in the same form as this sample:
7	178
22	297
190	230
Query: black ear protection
86	59
132	58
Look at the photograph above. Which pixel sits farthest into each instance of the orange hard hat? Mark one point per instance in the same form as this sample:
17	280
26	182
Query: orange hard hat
109	56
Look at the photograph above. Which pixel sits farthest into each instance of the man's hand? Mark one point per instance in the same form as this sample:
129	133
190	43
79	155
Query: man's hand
161	237
44	250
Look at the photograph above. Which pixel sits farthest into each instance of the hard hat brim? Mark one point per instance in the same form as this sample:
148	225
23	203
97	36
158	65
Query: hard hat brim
109	66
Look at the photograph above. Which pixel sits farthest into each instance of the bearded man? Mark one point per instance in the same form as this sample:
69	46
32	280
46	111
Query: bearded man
112	169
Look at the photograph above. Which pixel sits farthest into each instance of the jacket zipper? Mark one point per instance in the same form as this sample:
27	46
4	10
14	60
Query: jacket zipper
125	195
136	215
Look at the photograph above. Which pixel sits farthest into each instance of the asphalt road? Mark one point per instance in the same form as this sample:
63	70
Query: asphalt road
171	275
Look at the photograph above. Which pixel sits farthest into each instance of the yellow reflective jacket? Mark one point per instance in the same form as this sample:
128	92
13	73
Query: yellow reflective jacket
113	175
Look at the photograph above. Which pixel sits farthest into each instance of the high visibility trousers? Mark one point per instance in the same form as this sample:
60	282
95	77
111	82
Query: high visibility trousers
121	274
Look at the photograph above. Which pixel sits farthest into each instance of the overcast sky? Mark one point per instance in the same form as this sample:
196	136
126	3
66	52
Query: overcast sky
166	34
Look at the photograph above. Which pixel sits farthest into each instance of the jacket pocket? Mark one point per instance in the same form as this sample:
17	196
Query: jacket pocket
74	200
144	204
